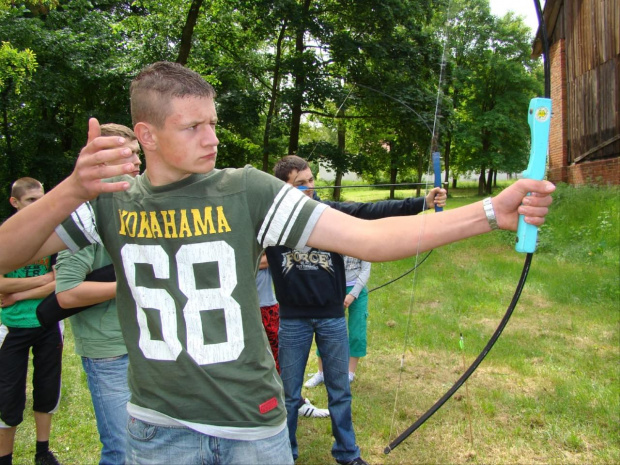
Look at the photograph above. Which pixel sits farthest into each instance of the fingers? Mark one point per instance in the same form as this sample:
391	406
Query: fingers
439	196
533	215
515	201
101	158
534	207
534	186
537	200
102	150
114	186
94	130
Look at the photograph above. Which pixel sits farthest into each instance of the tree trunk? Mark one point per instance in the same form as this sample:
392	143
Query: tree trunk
489	185
420	170
393	175
274	96
300	83
393	169
188	31
336	191
481	180
341	148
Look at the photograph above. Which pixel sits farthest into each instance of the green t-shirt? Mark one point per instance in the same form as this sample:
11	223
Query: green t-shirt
23	314
96	330
185	256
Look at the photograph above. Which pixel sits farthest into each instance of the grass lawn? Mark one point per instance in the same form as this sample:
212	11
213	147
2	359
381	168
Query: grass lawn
547	393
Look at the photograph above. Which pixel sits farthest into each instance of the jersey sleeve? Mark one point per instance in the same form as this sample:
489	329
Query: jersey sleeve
72	268
80	229
285	215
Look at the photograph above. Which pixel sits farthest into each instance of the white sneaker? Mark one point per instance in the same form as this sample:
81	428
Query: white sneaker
351	377
315	380
309	410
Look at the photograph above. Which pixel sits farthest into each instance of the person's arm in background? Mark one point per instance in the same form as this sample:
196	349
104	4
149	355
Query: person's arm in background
13	285
39	292
86	294
263	262
360	283
73	289
384	208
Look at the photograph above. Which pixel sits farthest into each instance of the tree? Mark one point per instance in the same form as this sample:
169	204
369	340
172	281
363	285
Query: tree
16	68
493	81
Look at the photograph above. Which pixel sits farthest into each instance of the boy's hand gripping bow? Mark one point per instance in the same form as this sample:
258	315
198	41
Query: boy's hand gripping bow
539	119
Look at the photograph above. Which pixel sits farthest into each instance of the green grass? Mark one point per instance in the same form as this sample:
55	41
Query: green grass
548	392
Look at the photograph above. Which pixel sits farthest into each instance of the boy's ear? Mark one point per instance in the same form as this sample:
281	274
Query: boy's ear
145	136
13	202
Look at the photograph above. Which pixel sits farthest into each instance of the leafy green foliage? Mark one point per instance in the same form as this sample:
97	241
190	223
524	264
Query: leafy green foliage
15	68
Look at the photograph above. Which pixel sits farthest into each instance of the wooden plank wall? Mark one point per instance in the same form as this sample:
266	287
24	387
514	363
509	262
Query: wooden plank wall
592	29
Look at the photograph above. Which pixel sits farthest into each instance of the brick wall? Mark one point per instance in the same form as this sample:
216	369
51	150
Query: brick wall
597	172
558	137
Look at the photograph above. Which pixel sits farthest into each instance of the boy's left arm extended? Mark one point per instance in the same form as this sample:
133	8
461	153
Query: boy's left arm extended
399	237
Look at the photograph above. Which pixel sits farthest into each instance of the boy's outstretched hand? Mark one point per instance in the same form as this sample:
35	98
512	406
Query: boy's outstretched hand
514	201
92	165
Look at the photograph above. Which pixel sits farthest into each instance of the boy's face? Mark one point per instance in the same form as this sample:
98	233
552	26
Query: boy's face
30	196
304	179
135	157
187	143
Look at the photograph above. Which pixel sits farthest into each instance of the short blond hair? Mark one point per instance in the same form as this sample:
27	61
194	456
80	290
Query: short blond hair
113	129
23	185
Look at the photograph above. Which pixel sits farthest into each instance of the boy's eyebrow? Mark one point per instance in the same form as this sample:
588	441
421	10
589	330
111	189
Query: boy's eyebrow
197	122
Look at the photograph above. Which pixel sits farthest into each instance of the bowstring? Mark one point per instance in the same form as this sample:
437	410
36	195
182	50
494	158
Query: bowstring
434	138
433	144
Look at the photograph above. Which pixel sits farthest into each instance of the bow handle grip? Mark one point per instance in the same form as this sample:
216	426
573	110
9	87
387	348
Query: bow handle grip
539	119
437	172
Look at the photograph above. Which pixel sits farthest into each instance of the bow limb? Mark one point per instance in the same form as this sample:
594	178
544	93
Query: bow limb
534	154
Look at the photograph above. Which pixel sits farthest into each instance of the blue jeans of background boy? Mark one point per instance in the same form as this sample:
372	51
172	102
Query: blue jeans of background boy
107	382
151	444
295	338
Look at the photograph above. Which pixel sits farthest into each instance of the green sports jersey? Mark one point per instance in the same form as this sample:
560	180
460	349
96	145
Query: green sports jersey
185	257
23	314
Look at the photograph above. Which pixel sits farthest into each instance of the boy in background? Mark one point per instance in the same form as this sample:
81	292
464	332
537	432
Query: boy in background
310	288
21	291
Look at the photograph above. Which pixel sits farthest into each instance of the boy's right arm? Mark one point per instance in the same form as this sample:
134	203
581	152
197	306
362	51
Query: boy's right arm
29	234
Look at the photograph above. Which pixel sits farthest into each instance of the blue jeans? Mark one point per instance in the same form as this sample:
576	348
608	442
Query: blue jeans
295	338
150	445
107	382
